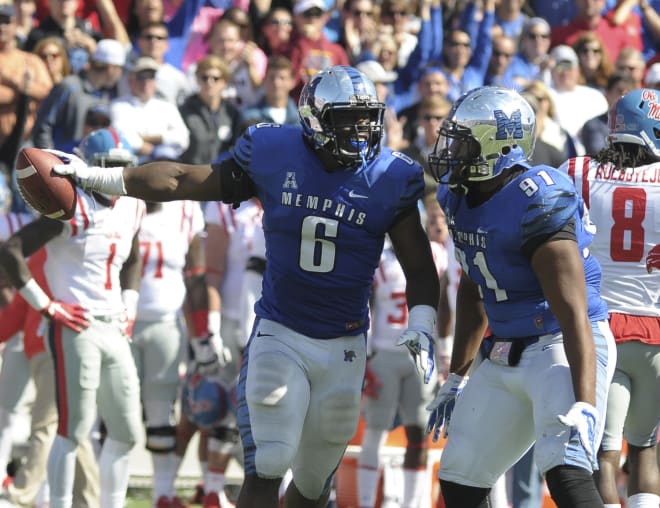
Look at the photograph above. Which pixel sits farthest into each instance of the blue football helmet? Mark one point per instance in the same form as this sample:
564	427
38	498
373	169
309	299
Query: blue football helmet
635	119
341	115
205	401
489	129
106	148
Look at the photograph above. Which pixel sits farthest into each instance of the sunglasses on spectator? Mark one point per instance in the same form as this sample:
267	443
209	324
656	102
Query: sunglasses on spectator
587	49
531	35
154	37
280	22
145	76
206	78
313	13
50	56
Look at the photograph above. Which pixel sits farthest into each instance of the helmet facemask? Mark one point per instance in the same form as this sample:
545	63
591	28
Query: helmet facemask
456	154
354	133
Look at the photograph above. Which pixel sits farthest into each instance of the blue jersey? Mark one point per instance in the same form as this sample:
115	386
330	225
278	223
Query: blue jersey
324	230
489	241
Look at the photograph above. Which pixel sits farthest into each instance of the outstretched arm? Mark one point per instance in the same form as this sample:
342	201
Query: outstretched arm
163	180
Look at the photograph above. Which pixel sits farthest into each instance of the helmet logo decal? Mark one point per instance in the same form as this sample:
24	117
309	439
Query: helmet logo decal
508	127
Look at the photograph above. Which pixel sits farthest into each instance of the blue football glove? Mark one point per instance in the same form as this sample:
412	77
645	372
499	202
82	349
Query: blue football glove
582	418
418	338
443	405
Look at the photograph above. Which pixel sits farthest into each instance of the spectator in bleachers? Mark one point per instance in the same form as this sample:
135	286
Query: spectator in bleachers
212	121
397	13
432	83
631	62
590	17
465	59
595	64
276	30
61	116
596	130
53	53
574	103
531	62
245	60
171	83
504	49
24	83
25	19
547	129
311	50
78	34
431	112
276	105
510	17
153	126
143	12
360	28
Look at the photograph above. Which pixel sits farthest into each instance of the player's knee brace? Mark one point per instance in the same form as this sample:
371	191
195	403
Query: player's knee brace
573	487
161	439
223	439
462	496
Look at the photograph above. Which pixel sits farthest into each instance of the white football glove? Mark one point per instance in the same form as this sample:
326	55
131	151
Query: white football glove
418	338
209	355
105	180
582	418
442	406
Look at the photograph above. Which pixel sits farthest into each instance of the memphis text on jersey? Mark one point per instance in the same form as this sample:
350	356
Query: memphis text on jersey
325	205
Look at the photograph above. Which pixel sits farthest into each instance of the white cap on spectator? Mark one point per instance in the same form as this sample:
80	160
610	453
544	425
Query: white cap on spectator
144	63
564	54
375	72
652	79
305	5
111	52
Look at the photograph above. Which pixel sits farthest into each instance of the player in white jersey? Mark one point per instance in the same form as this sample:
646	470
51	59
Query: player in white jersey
14	374
172	260
229	242
393	385
621	187
91	260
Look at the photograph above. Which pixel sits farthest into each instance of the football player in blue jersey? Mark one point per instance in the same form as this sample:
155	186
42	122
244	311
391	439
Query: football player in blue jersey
329	194
528	278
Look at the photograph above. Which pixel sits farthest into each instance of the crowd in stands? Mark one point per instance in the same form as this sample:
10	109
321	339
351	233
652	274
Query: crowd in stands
181	79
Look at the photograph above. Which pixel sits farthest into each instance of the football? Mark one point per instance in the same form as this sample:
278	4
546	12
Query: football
44	190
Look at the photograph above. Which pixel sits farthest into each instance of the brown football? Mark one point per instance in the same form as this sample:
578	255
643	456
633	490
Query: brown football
44	190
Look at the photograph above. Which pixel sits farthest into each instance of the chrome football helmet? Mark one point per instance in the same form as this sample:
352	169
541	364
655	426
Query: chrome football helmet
488	130
341	116
635	119
106	148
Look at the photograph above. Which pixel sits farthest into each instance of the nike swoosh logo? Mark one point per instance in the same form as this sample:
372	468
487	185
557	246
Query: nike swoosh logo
259	334
352	194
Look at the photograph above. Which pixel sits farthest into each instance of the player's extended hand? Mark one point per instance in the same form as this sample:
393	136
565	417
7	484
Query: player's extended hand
443	405
420	346
372	384
582	418
72	316
210	354
73	166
